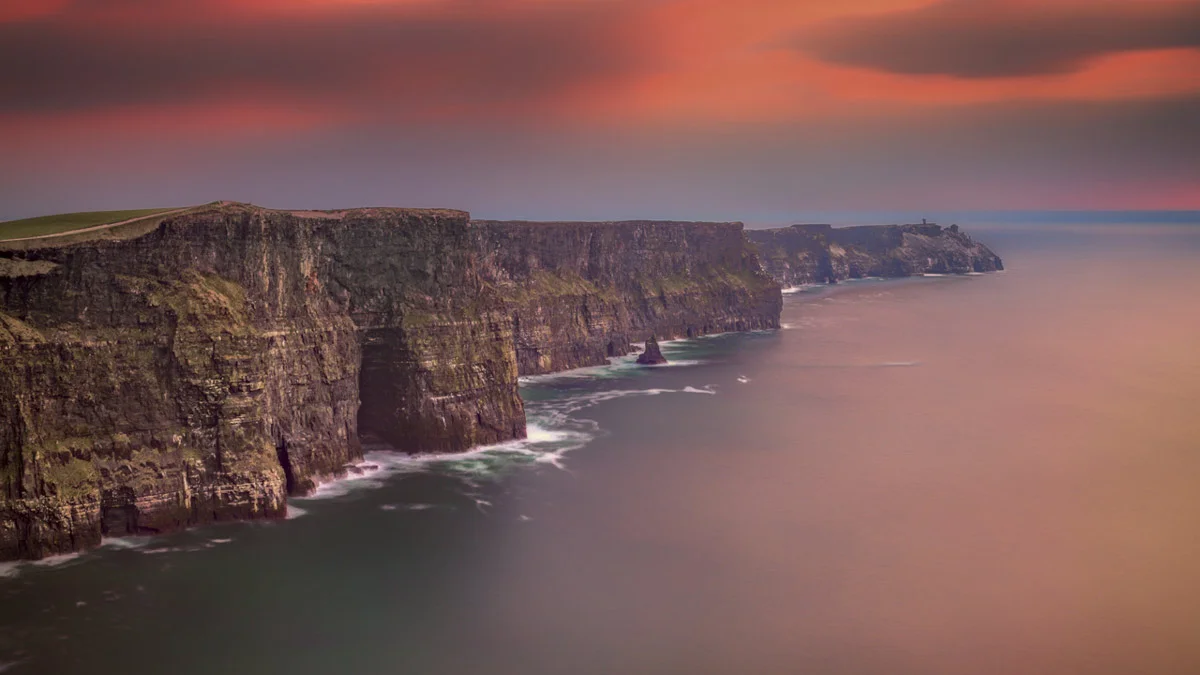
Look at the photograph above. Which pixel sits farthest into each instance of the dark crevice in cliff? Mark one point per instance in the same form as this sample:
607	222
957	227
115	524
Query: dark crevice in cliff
285	461
380	387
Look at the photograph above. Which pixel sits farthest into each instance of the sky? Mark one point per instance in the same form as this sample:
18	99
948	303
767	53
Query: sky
756	110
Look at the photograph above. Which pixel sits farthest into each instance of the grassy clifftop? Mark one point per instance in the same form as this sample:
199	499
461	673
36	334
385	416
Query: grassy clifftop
66	222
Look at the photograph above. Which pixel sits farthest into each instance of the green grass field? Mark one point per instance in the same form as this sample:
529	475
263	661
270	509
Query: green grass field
33	227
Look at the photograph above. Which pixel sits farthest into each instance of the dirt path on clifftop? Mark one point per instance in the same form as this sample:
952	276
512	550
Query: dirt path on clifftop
105	226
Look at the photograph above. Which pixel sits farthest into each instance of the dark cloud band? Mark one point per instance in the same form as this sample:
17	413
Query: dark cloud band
989	38
453	55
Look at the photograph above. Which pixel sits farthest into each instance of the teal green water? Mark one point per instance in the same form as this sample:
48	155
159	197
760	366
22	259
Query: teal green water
987	474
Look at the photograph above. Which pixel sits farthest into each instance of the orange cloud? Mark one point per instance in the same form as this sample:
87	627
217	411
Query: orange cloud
773	85
25	10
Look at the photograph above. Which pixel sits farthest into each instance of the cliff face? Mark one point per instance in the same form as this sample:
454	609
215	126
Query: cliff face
582	292
804	254
231	356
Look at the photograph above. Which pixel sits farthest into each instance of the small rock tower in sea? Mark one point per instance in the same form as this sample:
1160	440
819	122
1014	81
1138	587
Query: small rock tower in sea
653	355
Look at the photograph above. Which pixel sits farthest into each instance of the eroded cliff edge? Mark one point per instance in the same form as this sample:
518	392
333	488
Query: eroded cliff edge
582	292
233	355
807	254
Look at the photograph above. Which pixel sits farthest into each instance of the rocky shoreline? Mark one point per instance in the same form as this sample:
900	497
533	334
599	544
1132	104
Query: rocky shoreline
206	368
229	357
808	254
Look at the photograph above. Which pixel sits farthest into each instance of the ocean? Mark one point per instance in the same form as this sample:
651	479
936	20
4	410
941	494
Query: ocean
988	474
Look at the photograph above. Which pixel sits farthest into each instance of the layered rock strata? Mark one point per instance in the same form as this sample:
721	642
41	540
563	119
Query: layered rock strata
807	254
582	292
208	368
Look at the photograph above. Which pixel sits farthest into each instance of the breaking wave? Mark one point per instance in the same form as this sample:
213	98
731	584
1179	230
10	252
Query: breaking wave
553	431
13	568
791	290
124	542
201	546
553	428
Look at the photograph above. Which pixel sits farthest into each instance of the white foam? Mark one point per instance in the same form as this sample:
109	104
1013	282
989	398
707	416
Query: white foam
140	544
554	459
790	290
384	462
56	560
294	512
785	326
743	379
551	433
124	542
931	274
364	474
538	434
620	366
164	549
616	367
211	543
673	363
12	569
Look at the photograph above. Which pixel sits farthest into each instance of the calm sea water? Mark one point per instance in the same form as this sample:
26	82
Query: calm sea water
968	475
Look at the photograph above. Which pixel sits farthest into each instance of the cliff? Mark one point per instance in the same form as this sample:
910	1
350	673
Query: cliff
207	365
582	292
804	254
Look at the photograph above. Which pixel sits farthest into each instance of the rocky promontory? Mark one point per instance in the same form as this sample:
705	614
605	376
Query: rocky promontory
808	254
205	366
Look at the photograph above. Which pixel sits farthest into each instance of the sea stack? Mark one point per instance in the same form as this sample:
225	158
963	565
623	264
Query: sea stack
653	355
